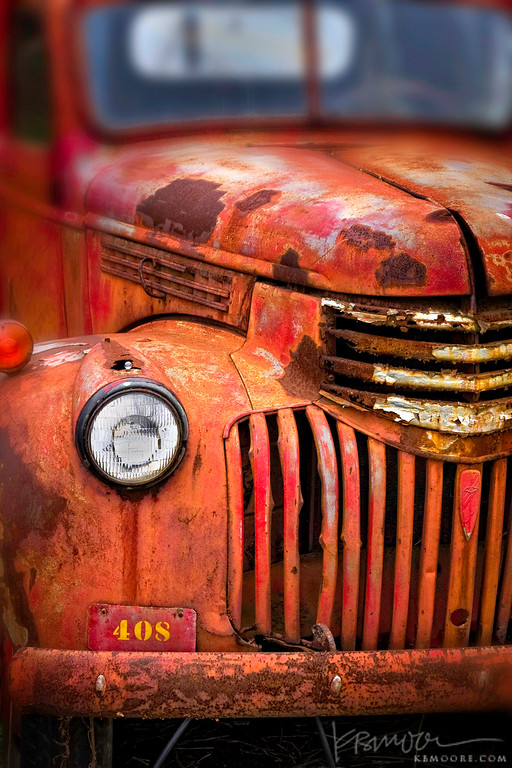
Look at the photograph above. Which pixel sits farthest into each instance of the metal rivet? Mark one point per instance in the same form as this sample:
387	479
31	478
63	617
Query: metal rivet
336	685
100	684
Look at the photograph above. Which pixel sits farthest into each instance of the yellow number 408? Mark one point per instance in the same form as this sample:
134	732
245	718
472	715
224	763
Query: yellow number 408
143	631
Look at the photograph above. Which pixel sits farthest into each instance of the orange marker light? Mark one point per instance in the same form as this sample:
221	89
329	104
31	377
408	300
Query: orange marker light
15	346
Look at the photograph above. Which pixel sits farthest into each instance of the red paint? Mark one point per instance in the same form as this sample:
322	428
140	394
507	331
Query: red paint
328	471
469	500
235	236
141	628
260	460
350	535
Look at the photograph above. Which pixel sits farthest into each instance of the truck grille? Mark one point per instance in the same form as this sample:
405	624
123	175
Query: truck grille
389	550
375	356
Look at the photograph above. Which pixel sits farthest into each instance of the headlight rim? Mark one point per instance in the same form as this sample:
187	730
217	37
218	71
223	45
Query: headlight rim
110	392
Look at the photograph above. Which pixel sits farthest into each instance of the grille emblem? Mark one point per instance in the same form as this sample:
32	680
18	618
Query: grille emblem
469	500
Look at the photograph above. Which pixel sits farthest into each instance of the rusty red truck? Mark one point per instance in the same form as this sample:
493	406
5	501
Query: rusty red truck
266	467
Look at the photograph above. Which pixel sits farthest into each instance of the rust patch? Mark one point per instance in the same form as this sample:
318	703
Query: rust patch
363	237
251	203
198	460
187	208
441	216
288	270
303	375
401	269
116	356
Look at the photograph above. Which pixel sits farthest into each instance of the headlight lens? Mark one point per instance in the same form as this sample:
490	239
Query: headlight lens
133	435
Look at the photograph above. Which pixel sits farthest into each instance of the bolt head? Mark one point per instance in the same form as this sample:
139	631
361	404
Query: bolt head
101	684
336	685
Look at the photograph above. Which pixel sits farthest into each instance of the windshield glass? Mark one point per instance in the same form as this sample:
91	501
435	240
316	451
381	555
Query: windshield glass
165	62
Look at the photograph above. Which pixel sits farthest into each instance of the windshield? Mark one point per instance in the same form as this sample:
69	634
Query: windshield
166	62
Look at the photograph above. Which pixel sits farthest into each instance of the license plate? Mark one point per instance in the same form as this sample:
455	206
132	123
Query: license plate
141	628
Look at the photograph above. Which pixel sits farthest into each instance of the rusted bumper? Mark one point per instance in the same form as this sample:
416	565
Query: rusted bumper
261	685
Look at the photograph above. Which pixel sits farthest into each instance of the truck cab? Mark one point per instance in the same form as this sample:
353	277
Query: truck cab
260	460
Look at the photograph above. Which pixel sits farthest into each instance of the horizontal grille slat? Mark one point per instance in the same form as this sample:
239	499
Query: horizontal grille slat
462	360
166	275
386	346
385	548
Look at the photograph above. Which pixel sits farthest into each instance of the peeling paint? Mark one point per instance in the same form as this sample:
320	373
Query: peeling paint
428	380
457	418
437	320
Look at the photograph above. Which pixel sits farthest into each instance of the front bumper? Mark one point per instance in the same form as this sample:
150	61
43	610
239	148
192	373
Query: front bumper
208	685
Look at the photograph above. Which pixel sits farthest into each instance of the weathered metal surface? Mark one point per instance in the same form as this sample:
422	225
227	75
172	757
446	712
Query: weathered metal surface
153	269
446	418
289	454
462	564
423	350
493	550
403	600
280	358
130	281
429	553
350	535
442	319
266	685
332	226
325	224
477	190
260	461
403	370
328	471
504	611
64	526
235	525
453	445
404	531
375	545
407	378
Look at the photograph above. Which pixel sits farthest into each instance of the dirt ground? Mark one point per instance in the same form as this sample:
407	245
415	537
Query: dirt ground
379	742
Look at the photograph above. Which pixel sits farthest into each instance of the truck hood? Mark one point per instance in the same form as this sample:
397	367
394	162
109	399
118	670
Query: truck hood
327	217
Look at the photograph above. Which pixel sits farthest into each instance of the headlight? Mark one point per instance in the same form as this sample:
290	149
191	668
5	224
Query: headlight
132	433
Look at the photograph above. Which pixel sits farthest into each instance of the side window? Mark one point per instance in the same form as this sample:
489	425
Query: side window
29	87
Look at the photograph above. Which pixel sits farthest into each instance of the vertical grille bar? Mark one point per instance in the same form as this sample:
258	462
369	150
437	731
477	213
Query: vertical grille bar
429	552
288	444
376	516
350	535
462	558
328	471
505	601
404	529
235	525
260	460
492	552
